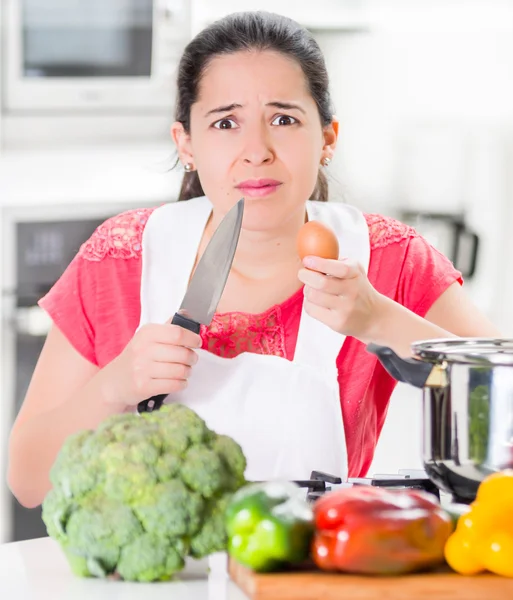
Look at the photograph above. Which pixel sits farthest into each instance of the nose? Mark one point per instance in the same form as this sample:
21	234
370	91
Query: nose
257	149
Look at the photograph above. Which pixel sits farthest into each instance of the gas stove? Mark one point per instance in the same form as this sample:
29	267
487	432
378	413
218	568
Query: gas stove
320	483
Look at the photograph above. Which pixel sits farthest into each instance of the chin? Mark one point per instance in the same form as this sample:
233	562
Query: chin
268	216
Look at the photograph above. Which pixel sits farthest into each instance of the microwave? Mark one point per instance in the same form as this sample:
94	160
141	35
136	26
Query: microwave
78	56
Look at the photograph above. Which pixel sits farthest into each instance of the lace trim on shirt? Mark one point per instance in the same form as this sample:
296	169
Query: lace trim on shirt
230	334
121	236
384	231
117	237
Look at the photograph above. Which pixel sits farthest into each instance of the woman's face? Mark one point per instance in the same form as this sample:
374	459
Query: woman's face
256	132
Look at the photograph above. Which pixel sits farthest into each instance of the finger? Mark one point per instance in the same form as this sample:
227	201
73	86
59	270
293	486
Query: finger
343	269
174	335
183	337
335	319
166	353
160	370
332	318
318	281
325	283
166	386
322	299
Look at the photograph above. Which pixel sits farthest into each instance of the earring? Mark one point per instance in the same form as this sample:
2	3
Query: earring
188	167
326	161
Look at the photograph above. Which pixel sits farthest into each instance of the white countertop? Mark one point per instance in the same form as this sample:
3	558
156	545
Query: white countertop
38	570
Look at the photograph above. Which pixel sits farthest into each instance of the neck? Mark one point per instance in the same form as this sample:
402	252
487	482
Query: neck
265	254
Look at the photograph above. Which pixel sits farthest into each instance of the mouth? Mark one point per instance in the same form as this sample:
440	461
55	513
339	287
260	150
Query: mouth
257	188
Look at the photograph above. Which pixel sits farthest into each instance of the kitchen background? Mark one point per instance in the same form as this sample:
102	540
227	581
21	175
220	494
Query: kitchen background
423	91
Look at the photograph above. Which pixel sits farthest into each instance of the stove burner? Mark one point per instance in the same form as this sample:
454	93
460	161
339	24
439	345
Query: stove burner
321	483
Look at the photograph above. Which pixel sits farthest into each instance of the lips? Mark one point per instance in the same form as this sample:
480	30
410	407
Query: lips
258	187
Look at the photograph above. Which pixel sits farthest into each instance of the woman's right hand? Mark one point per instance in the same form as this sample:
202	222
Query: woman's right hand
157	360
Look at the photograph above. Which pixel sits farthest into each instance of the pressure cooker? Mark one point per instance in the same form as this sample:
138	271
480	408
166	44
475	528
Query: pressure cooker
467	388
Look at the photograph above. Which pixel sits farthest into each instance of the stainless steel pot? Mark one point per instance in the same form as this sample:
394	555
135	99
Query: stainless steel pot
468	407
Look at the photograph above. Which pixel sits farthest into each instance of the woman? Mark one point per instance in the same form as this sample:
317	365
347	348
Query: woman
283	367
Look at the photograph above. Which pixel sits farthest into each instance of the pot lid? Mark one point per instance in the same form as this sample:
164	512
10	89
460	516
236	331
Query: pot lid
473	351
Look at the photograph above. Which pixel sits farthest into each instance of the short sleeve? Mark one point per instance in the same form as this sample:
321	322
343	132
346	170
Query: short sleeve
425	275
71	304
96	303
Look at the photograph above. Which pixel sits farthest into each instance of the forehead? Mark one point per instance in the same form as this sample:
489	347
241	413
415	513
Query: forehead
242	76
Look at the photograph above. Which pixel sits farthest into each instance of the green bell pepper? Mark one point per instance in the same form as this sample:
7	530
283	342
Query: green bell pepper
269	525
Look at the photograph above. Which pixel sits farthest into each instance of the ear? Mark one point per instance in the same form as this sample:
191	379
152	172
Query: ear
182	141
334	124
330	134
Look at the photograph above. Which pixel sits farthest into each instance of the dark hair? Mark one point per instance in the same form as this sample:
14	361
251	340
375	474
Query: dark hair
251	31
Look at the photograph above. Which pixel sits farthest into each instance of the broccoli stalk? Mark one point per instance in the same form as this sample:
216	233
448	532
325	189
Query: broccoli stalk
135	497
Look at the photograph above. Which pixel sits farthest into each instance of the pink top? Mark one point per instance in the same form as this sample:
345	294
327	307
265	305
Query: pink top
96	305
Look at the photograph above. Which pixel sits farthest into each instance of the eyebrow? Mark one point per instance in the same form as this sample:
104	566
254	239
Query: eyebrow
223	109
276	104
286	106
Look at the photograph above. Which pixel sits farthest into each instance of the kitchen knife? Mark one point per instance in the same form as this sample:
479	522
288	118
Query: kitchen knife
207	284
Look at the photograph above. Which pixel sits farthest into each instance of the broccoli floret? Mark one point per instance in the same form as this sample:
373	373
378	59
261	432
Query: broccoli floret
208	469
65	475
78	563
145	443
170	509
99	530
167	466
235	461
94	444
212	537
203	470
149	558
55	514
117	425
175	440
136	450
128	482
135	497
185	420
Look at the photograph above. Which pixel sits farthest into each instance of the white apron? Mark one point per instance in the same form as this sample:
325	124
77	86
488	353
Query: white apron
285	414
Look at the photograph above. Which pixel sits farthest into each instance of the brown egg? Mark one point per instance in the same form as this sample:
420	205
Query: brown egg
315	239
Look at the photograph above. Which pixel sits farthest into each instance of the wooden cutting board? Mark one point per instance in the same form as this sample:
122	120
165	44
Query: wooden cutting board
316	585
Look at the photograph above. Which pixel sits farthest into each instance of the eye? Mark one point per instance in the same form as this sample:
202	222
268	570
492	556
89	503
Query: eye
284	120
225	124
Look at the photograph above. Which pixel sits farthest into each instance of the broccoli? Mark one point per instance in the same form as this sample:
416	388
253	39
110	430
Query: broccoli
149	558
133	498
213	530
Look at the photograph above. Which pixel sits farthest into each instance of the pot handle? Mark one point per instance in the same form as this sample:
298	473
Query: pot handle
407	370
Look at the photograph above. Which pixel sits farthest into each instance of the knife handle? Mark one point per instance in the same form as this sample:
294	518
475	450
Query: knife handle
186	323
155	402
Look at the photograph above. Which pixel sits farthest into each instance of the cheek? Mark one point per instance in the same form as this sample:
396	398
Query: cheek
213	161
213	157
303	159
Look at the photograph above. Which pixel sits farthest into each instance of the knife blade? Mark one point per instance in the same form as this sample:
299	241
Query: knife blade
207	284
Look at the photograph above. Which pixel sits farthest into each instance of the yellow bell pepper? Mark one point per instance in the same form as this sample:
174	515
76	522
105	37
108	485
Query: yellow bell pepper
483	539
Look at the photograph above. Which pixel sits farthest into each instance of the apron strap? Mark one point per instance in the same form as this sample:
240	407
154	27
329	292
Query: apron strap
170	244
317	344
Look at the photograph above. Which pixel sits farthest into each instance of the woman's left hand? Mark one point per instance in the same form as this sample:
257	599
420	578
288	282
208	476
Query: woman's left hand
345	300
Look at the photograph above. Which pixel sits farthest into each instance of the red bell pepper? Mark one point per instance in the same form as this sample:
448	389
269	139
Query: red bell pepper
378	531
